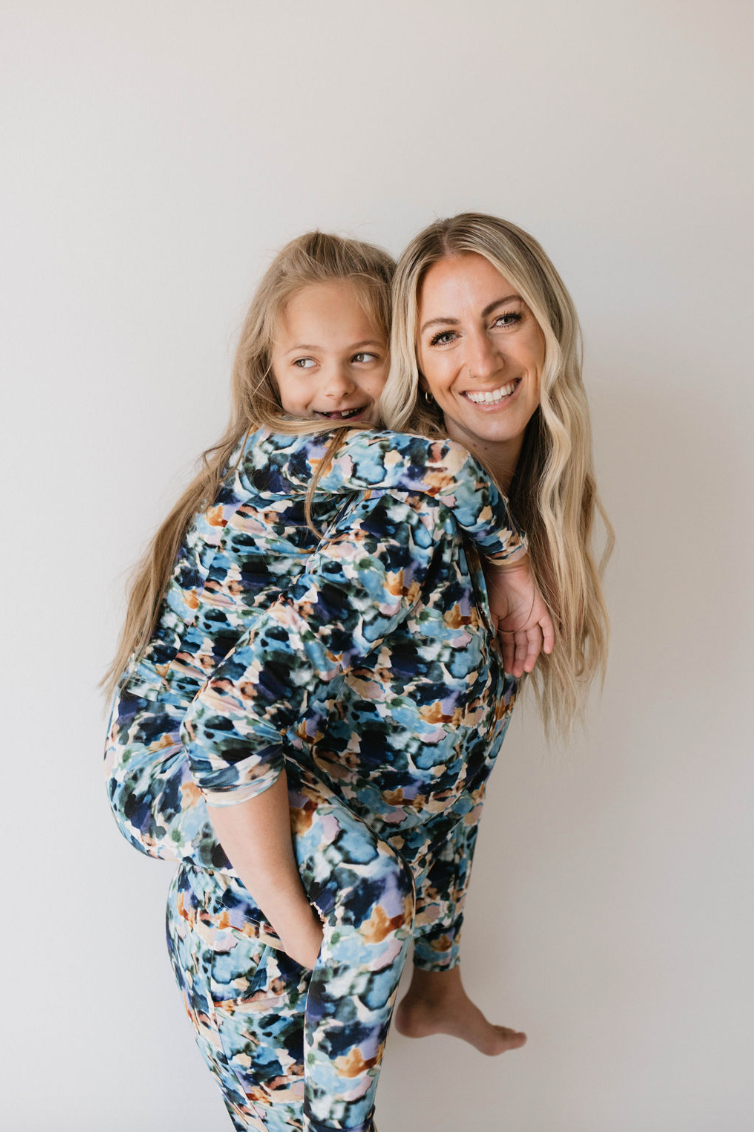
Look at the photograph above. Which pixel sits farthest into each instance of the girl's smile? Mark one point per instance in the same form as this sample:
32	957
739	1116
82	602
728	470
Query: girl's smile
344	414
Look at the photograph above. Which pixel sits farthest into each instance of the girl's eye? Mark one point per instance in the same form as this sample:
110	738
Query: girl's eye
304	363
509	318
361	358
442	338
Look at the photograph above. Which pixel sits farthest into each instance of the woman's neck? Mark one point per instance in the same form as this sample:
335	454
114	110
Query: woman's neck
499	457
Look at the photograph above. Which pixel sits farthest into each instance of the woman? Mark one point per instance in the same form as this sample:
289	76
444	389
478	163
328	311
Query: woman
486	330
486	349
199	624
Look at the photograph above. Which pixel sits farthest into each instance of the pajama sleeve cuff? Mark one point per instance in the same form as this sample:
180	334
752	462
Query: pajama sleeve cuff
439	950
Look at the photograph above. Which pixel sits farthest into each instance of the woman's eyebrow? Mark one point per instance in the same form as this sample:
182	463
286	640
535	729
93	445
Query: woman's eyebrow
439	321
497	303
454	321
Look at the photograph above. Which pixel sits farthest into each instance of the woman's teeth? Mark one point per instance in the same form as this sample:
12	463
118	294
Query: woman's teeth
492	397
344	415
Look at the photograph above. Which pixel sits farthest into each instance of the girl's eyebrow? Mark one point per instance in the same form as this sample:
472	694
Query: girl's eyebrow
454	321
354	346
366	342
302	346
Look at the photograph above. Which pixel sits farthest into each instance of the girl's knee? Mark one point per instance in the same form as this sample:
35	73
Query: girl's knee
343	863
378	895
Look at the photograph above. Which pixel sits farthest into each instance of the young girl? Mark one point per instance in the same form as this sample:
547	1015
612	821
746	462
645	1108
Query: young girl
314	346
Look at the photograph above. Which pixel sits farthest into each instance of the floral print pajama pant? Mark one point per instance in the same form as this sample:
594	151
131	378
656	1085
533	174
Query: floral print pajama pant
260	1018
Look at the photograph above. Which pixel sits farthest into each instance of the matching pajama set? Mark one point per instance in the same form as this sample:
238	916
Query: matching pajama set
366	667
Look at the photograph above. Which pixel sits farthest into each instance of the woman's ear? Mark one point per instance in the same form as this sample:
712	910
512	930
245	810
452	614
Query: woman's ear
423	392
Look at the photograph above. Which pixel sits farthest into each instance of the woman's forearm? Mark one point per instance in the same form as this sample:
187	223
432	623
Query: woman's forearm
256	835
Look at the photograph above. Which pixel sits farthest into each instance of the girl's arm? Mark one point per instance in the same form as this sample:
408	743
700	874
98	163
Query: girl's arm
390	461
441	895
358	586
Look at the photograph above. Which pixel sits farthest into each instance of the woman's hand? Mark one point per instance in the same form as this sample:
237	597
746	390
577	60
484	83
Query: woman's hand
519	615
300	933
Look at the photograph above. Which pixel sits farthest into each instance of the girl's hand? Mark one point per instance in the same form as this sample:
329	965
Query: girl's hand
519	615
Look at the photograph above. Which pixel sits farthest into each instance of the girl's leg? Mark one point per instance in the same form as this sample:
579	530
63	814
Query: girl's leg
437	1003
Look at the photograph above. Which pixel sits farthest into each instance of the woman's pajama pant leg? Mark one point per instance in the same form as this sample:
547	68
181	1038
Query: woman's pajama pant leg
256	1023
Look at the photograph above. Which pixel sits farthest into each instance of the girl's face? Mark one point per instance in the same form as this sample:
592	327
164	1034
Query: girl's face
480	351
328	360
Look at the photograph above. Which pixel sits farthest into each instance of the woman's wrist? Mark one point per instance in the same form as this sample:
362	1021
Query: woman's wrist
283	907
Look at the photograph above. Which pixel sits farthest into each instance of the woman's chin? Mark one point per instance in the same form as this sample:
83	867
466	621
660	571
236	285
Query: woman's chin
485	428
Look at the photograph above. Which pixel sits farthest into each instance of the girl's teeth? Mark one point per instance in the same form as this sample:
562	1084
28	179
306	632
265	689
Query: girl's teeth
344	416
493	397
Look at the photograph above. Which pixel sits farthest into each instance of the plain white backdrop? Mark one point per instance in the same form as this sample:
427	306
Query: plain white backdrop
155	154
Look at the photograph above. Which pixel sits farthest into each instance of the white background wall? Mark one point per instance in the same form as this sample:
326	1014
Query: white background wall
155	153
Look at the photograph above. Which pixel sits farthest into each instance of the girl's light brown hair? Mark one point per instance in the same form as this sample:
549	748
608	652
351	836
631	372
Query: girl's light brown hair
316	257
553	494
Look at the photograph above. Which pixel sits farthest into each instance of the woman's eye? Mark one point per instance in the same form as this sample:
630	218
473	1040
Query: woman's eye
304	363
442	338
510	318
361	358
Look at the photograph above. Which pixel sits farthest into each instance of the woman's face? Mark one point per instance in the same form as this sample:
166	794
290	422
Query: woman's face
480	351
328	360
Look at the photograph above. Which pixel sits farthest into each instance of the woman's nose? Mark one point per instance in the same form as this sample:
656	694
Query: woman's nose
482	357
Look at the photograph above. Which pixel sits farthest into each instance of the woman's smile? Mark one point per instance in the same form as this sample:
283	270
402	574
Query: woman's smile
492	399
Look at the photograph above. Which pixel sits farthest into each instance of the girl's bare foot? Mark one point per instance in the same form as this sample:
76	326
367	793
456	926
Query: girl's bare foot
436	1003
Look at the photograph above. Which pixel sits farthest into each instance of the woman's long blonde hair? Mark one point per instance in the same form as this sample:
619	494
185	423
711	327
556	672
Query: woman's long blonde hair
553	494
316	257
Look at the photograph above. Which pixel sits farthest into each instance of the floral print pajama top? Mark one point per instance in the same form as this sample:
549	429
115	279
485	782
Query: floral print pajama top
367	660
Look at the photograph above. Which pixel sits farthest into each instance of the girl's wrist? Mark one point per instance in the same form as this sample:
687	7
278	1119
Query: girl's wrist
522	562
